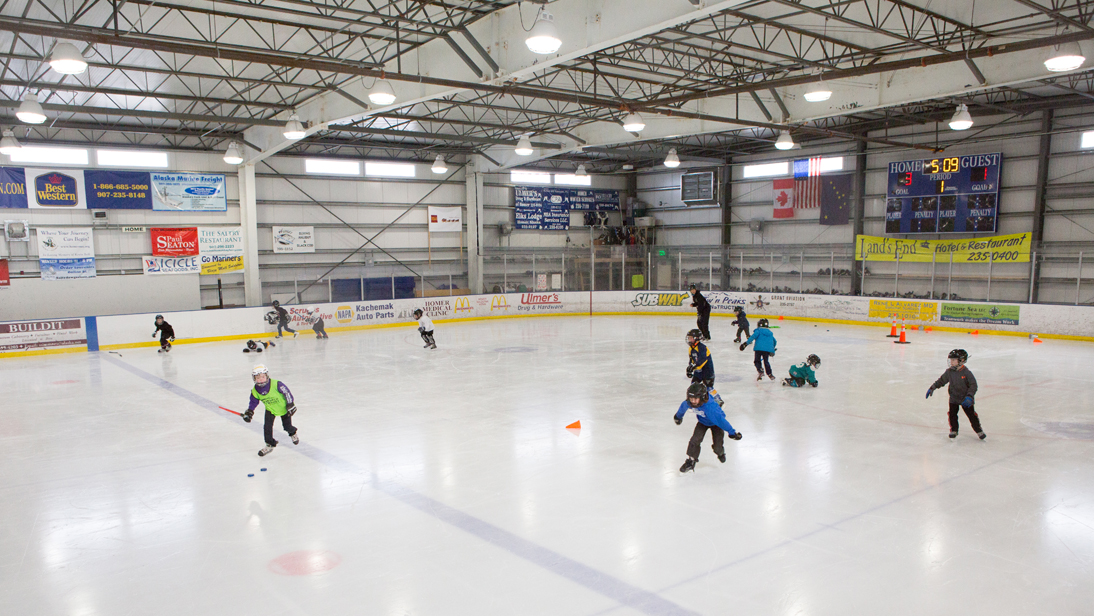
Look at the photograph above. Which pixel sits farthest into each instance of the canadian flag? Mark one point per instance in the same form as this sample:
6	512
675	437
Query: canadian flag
784	198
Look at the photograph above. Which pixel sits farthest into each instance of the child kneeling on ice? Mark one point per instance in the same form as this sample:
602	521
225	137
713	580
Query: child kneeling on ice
711	418
803	373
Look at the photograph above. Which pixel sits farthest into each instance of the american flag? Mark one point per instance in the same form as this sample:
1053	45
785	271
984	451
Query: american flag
807	184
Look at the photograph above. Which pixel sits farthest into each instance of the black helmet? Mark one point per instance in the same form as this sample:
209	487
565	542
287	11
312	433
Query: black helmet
762	323
813	360
693	287
417	312
276	303
960	355
159	316
698	335
737	309
251	344
698	390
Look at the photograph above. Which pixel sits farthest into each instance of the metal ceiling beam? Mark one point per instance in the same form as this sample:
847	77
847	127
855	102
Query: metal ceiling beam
76	87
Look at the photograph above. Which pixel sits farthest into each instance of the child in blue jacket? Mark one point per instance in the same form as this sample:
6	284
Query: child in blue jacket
711	418
765	348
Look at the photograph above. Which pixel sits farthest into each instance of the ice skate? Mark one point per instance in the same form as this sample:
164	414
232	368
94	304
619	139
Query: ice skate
786	382
265	450
426	346
433	346
295	439
295	334
953	434
760	377
771	376
689	465
982	435
737	340
736	436
722	457
161	350
278	336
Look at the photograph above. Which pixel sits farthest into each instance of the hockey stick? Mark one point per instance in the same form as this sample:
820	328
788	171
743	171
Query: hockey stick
230	411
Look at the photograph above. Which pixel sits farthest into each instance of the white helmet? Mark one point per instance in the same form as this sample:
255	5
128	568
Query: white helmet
259	369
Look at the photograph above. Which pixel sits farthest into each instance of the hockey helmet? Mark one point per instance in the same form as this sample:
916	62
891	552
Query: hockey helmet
762	323
692	287
738	309
276	303
696	334
813	360
960	355
259	369
159	316
418	313
251	344
698	390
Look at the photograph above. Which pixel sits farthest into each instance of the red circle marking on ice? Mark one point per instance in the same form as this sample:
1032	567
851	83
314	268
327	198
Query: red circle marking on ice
305	562
64	382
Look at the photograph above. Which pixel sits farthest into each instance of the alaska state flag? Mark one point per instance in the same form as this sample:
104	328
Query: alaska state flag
835	199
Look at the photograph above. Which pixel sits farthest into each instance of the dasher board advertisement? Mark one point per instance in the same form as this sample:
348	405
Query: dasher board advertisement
44	334
189	192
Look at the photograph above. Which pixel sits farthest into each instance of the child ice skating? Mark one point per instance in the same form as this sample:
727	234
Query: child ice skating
257	347
166	333
711	418
741	322
425	328
962	386
765	349
702	309
315	319
802	373
278	402
701	364
283	320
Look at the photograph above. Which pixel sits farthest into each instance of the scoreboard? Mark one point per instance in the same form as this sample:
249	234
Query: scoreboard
958	194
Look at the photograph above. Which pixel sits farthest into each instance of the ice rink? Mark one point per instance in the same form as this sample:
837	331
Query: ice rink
444	482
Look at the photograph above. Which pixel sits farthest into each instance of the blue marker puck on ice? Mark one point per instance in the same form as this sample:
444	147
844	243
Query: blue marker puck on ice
262	469
250	474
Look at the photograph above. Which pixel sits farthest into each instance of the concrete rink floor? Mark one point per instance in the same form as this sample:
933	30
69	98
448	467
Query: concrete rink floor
444	482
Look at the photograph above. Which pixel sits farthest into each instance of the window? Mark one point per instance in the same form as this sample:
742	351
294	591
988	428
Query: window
131	158
529	177
332	167
831	164
563	179
767	169
1088	140
391	170
50	156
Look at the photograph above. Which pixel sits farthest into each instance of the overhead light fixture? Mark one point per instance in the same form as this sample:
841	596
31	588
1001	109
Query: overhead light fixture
67	60
581	172
294	129
233	155
672	161
628	167
961	119
785	141
634	123
9	144
1066	57
524	146
543	38
438	165
30	111
818	93
382	93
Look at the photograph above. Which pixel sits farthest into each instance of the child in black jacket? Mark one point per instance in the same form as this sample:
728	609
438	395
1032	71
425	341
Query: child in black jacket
165	332
962	386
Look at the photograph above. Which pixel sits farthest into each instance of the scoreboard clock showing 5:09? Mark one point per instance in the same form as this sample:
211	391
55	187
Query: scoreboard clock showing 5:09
955	194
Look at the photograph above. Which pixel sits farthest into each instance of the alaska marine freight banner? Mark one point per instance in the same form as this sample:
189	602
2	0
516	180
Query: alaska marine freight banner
101	189
997	249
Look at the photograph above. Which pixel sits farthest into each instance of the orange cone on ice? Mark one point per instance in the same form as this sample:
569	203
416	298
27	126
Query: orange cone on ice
892	330
903	336
574	426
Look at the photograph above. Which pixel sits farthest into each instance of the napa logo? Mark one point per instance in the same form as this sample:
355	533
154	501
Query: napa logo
344	314
201	191
56	190
498	302
463	304
659	299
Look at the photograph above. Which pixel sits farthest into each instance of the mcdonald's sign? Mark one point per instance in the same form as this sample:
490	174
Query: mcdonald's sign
463	304
498	302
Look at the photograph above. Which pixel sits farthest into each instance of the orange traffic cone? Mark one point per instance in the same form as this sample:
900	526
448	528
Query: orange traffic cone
574	428
903	338
892	330
975	332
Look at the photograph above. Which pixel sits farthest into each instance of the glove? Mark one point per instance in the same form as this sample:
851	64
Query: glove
690	372
153	334
292	410
743	345
736	436
678	420
929	393
247	415
814	383
773	353
967	402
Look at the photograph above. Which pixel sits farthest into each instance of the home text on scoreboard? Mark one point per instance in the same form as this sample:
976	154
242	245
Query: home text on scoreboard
950	194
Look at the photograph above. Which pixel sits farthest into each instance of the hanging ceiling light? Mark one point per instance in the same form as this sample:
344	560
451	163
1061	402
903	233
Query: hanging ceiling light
961	119
634	123
672	160
785	141
9	144
30	111
382	93
543	38
581	172
524	146
294	129
66	59
818	93
233	156
1066	57
438	165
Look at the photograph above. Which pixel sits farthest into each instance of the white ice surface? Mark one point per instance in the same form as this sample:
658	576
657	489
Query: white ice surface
444	482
